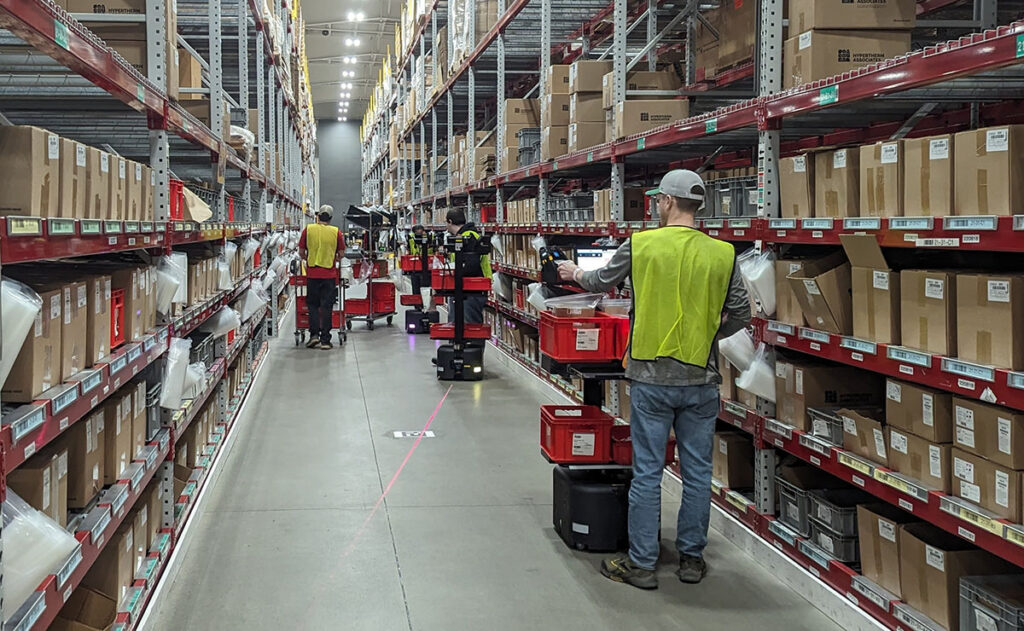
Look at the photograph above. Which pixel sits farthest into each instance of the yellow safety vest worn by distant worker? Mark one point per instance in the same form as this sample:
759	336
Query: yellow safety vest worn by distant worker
680	281
485	259
321	245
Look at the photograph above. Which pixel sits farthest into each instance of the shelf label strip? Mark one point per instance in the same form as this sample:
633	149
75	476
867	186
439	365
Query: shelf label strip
965	369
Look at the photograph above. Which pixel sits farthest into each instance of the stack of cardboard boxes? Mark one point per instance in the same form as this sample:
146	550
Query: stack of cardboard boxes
521	211
636	115
585	91
634	205
730	40
988	457
519	114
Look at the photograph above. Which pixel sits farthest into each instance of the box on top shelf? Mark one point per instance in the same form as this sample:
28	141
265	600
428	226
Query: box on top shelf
796	186
928	176
928	310
881	179
525	111
919	410
990	431
585	107
587	76
875	290
558	79
637	80
919	458
635	117
73	176
878	528
993	487
29	172
990	319
836	188
805	15
818	54
822	288
989	171
97	187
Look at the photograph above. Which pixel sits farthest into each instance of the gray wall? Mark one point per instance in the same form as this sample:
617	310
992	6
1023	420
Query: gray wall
340	185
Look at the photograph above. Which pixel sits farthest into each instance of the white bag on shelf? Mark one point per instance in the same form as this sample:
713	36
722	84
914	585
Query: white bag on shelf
195	380
738	349
224	282
758	273
20	307
220	323
250	302
175	368
177	264
268	280
249	247
759	378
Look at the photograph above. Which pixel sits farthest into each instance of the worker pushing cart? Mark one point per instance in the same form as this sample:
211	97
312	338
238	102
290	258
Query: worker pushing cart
321	247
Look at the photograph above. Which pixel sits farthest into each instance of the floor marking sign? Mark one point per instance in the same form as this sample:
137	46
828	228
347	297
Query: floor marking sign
415	434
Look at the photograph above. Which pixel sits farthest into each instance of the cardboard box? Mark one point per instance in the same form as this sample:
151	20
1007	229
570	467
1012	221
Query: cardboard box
836	188
990	431
823	289
635	117
864	436
727	389
84	443
881	179
878	528
97	184
585	107
787	308
928	176
928	311
995	488
156	507
73	177
148	190
38	366
733	460
133	192
117	436
990	319
806	383
97	331
140	428
814	55
796	186
876	290
625	400
140	531
86	610
555	112
114	570
29	172
636	80
584	135
920	459
190	75
118	208
523	111
922	411
60	476
34	482
74	329
558	79
586	76
989	171
805	15
737	32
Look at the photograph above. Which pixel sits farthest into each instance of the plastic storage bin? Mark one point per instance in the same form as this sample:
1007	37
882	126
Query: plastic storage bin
622	446
992	602
411	263
826	424
598	339
444	280
837	508
842	547
472	332
575	434
793	506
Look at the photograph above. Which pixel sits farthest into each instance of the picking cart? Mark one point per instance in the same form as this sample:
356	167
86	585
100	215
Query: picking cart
380	294
462	357
338	319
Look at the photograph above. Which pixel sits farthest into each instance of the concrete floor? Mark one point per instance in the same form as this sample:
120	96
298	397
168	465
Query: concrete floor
285	538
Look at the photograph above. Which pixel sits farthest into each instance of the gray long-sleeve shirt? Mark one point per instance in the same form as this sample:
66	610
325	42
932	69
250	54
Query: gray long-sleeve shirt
666	371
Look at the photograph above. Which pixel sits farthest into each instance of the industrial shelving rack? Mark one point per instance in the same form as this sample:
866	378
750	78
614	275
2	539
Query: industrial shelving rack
58	74
965	72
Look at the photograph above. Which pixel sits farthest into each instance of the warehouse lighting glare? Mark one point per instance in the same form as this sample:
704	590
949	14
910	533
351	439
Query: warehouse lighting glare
348	73
352	42
348	60
356	16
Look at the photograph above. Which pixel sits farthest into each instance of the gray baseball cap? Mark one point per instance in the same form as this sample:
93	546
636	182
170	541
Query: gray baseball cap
681	183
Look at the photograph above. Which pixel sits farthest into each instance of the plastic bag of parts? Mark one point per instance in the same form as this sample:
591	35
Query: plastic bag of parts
242	138
251	301
346	269
268	280
365	269
539	243
220	323
758	273
230	250
175	367
176	263
574	302
249	247
293	240
616	306
537	296
34	547
224	282
167	285
195	380
279	265
738	349
759	378
502	286
20	307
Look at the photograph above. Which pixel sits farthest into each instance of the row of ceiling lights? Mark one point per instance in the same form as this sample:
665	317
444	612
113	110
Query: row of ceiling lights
346	88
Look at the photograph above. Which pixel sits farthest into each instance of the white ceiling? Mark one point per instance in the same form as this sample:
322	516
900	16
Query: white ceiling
326	52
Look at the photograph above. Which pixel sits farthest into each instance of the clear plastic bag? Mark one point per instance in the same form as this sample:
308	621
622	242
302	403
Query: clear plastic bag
176	264
759	378
250	302
166	287
195	380
20	307
220	323
175	368
279	265
224	282
738	349
537	296
249	247
758	273
502	286
539	243
268	280
574	302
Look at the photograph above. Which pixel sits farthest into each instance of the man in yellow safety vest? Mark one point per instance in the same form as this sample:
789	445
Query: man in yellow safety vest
687	293
321	245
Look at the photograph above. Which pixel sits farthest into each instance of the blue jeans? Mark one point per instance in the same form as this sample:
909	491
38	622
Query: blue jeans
655	410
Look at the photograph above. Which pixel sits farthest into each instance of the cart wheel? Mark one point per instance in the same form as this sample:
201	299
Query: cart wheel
369	324
297	339
348	325
390	319
341	338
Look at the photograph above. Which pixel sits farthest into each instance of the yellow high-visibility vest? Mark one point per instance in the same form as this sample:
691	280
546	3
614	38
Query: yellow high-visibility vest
321	245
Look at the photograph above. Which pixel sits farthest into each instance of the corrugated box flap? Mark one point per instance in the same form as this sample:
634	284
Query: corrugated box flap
863	251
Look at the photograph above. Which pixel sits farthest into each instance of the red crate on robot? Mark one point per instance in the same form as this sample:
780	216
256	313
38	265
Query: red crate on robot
598	339
444	280
622	447
383	300
471	332
576	434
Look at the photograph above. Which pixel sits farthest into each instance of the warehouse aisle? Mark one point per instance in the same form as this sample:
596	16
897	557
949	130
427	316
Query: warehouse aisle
285	537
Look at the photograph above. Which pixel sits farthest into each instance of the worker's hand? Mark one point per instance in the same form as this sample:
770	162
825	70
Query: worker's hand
567	270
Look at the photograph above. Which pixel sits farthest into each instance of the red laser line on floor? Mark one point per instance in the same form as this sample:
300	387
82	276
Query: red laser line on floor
394	478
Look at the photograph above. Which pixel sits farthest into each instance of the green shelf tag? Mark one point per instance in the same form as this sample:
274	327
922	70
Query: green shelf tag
829	95
140	92
590	156
60	35
641	143
554	165
1020	46
711	126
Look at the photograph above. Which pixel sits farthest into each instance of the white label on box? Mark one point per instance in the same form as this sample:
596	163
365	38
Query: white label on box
935	558
780	370
1004	430
138	172
723	447
583	444
812	287
880	280
934	461
879	441
794	268
965	436
62	465
964	417
839	159
805	40
927	410
820	427
53	147
46	488
79	155
39	324
121	172
799	166
107	289
898	442
934	288
55	307
83	296
1003	489
587	339
999	291
890	153
799	376
824	513
970	492
849	426
938	149
887	530
963	470
997	140
893	391
984	622
67	305
104	163
825	542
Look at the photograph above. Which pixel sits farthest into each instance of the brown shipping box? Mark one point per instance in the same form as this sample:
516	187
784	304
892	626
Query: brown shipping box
738	30
989	171
787	308
29	172
84	442
86	610
990	431
932	562
34	482
805	15
878	527
554	142
875	290
524	111
140	430
584	135
928	176
636	80
140	530
814	55
922	411
558	79
990	319
117	437
881	179
822	288
928	311
727	389
75	328
114	570
587	76
805	383
97	337
920	459
155	511
190	75
134	193
625	400
97	187
796	186
38	366
585	107
118	208
836	191
73	178
990	486
733	460
864	436
556	111
635	117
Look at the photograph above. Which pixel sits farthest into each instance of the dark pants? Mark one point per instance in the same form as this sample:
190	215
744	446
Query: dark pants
420	280
473	308
320	296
